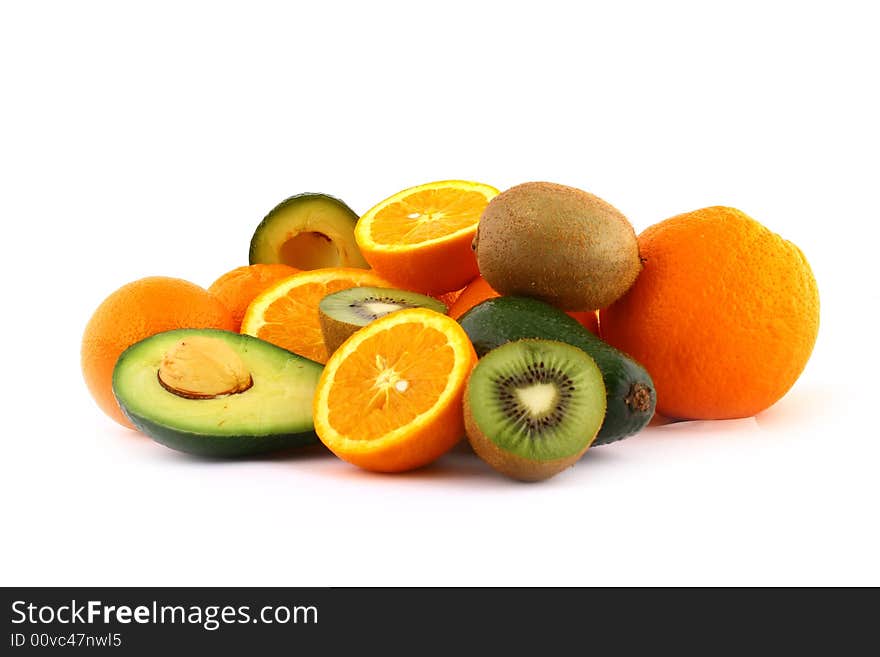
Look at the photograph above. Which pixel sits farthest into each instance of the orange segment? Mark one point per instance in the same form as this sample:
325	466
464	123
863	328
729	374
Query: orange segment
420	238
390	398
286	314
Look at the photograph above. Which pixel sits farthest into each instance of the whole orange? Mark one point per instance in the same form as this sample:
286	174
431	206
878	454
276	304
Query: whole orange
237	288
724	314
134	312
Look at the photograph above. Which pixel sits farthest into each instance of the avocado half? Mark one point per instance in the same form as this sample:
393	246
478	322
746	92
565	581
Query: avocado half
167	386
308	231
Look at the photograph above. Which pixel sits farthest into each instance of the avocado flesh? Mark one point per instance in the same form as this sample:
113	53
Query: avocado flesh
308	231
274	413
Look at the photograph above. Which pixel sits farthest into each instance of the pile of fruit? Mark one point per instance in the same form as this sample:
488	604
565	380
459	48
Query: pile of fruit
534	321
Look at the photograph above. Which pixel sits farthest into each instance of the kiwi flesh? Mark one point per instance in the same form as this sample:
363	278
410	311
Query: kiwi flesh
558	244
533	407
344	312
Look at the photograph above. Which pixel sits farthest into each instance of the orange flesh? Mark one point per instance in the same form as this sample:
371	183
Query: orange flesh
374	394
427	215
305	338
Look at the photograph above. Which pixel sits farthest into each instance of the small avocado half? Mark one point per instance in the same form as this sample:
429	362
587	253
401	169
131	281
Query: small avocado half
217	393
308	231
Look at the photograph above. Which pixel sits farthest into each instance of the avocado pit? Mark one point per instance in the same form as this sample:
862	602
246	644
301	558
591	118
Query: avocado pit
199	367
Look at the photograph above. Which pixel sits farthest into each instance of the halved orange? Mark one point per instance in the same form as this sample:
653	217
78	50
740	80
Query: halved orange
420	238
286	314
390	398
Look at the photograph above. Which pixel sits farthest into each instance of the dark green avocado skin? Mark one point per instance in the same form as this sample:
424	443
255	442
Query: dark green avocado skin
217	447
631	397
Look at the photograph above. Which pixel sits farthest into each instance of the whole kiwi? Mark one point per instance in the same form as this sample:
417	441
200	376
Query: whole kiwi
558	244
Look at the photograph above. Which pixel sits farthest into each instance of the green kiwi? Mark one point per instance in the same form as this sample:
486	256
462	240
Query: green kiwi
344	312
558	244
533	407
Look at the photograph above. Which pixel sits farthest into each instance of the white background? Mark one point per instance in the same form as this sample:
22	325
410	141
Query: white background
152	140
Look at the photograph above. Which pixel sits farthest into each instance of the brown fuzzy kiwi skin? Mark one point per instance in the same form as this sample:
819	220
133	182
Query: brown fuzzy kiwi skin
334	331
558	244
506	463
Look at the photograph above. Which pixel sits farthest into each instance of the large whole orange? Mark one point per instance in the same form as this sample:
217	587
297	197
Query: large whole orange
724	314
137	311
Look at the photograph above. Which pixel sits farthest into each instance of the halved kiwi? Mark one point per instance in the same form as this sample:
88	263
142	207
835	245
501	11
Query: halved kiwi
308	231
344	312
533	407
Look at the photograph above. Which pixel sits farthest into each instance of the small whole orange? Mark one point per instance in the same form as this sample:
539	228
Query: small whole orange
134	312
724	314
238	287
